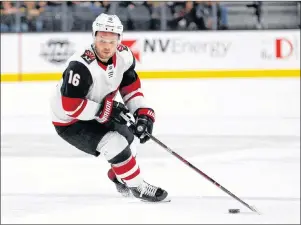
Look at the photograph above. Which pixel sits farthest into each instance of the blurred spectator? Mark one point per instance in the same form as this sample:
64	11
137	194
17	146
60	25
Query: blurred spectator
198	15
54	3
258	12
105	4
150	5
192	22
95	7
222	17
31	17
183	15
127	4
203	15
8	16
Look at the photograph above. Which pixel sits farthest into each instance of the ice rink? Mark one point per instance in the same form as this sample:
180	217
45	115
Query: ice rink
254	155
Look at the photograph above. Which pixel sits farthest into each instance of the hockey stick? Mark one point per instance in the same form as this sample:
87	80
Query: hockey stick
192	166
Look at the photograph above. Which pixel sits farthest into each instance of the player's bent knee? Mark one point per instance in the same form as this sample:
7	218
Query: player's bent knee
125	132
113	146
124	155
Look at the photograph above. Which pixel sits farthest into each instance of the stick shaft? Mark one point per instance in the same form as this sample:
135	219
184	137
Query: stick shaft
200	172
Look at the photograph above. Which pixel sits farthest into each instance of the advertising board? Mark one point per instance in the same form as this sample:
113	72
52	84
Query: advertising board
162	54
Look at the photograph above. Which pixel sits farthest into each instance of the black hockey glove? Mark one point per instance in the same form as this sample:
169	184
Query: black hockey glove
110	110
144	120
118	108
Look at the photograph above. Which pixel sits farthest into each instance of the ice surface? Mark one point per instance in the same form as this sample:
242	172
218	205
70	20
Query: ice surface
44	180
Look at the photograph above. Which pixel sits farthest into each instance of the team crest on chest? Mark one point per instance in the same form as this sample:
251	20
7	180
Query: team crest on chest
88	56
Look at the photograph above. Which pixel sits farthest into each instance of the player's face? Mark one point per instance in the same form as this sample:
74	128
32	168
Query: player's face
106	44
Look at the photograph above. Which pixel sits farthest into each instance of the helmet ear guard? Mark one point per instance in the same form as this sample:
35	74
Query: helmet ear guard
120	39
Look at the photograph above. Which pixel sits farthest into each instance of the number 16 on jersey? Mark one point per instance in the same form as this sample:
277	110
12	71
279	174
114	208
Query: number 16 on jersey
74	79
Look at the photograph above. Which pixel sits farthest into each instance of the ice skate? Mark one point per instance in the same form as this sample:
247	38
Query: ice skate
148	192
121	187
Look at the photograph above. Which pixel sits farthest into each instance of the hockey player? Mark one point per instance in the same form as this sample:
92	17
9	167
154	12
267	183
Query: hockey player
86	115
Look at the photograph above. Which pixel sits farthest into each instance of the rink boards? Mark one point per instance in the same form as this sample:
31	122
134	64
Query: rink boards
222	54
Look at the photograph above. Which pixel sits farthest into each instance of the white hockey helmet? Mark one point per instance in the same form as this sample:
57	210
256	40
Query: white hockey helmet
107	23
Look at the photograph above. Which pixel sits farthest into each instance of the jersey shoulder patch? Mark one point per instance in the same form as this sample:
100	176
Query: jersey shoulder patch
88	56
126	54
122	48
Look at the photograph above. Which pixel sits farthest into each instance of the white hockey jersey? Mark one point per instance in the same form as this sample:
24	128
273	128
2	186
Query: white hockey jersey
86	82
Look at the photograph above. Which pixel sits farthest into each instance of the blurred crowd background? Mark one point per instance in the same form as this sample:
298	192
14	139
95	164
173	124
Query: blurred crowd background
55	16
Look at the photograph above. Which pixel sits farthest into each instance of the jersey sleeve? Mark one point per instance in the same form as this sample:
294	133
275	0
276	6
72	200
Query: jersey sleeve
77	81
130	89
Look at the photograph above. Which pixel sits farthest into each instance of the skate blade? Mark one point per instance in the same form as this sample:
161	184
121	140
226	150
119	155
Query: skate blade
126	194
163	201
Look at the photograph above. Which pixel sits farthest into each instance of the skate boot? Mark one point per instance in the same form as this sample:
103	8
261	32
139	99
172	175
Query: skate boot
121	187
149	192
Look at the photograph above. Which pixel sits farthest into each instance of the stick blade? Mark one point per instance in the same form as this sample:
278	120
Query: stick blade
255	210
